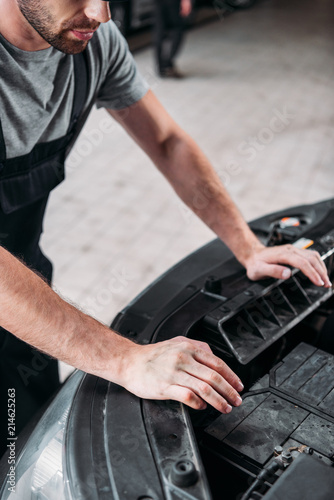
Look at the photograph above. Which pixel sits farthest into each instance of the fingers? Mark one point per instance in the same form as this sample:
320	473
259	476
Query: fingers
267	263
182	369
212	388
309	262
196	394
202	353
186	396
320	267
263	270
219	372
203	378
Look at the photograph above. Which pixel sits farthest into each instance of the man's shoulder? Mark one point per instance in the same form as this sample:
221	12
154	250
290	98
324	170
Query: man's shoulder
113	70
106	39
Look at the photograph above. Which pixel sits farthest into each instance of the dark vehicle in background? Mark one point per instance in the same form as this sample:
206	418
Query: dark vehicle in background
96	441
131	15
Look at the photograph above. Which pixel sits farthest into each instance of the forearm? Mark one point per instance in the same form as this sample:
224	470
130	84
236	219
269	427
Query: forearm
180	369
198	185
188	170
32	311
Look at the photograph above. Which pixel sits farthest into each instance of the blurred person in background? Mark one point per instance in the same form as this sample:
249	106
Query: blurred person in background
170	23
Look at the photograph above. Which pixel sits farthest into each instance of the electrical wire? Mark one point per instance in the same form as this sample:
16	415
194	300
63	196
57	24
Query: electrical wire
263	476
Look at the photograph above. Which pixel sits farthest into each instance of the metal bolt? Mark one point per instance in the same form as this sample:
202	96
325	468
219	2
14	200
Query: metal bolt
286	457
278	450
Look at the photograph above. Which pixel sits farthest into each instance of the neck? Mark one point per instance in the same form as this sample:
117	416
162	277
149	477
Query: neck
16	29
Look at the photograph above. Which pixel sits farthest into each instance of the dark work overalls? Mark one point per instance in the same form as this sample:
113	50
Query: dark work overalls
25	184
168	32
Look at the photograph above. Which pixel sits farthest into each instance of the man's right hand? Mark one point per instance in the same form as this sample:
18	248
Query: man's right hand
181	369
184	370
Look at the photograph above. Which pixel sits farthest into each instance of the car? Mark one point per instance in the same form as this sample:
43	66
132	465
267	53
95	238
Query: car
131	15
95	440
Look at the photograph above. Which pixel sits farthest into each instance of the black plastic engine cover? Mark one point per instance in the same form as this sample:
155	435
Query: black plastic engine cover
290	407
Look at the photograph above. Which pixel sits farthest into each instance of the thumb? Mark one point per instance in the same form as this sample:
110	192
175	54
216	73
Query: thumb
264	270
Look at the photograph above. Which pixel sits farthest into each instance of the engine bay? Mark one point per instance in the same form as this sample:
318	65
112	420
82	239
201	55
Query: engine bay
278	336
98	441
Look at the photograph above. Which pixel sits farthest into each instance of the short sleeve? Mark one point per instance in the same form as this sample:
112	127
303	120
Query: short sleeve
121	84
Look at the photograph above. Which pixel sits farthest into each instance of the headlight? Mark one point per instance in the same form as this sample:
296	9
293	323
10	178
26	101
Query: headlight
39	469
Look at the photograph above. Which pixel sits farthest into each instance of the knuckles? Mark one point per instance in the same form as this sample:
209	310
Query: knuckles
179	359
204	389
214	378
252	274
222	406
315	256
188	398
183	343
230	394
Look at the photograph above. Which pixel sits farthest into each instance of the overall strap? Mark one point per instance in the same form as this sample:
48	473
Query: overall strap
3	155
80	87
82	78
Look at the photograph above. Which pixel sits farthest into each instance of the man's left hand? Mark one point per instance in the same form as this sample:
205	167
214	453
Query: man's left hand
269	262
195	181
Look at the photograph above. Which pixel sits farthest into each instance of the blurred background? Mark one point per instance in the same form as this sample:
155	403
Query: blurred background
257	97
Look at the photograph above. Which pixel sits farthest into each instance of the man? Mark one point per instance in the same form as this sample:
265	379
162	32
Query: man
170	21
46	93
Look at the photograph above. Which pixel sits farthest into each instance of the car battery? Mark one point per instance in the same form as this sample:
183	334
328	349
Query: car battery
290	409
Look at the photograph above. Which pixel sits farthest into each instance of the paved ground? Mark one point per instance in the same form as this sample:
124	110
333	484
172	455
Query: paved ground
258	98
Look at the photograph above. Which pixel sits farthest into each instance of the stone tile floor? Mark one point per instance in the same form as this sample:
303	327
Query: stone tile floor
258	98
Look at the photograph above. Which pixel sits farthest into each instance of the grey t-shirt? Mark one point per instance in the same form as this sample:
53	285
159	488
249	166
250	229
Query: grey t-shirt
37	88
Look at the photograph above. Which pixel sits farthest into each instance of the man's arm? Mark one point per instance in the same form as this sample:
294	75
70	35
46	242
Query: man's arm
181	369
190	173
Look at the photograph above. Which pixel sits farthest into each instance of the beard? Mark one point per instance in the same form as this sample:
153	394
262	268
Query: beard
42	20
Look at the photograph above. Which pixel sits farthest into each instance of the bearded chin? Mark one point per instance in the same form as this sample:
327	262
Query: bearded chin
43	22
66	46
